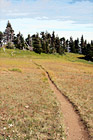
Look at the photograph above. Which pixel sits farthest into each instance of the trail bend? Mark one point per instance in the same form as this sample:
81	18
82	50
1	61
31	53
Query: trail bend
75	129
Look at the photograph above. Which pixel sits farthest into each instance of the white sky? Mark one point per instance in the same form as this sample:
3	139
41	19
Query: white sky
65	17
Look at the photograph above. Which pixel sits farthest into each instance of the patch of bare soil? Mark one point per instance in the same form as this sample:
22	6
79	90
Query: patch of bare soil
75	129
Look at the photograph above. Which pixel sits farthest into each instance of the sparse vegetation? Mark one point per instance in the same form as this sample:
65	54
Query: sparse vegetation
15	69
27	100
28	107
74	78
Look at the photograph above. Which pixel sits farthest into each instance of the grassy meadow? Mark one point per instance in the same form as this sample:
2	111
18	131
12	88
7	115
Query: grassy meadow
74	78
28	107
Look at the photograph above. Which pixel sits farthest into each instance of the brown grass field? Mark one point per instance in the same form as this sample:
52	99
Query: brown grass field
28	107
75	80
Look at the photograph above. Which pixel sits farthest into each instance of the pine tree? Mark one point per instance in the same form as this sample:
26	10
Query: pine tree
89	52
52	46
67	46
72	45
19	41
47	47
48	42
29	40
83	45
43	42
58	46
8	34
1	38
36	44
76	43
63	43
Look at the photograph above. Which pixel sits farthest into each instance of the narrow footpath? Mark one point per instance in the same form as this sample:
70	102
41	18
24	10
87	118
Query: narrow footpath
75	129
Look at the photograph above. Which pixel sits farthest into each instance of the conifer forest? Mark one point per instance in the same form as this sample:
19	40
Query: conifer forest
45	43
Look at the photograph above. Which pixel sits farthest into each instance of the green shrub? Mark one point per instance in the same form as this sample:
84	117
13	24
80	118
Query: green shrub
10	45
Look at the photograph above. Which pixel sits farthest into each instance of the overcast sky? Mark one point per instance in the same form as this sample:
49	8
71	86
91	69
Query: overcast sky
66	17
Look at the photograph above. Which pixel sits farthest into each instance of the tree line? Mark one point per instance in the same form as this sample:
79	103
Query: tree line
45	43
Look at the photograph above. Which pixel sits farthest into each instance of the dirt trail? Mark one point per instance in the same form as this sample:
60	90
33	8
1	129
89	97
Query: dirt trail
74	127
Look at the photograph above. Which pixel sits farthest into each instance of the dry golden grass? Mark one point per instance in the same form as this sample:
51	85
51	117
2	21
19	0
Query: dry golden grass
75	80
28	107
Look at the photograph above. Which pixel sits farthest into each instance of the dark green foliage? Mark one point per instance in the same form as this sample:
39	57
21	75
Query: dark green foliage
1	38
71	45
29	40
67	49
36	44
89	52
58	45
53	41
8	34
76	46
19	41
9	25
47	47
10	45
83	45
63	45
43	42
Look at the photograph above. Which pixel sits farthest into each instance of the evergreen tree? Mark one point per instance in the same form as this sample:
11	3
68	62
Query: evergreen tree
29	40
58	46
67	46
43	42
92	43
63	43
19	41
47	47
52	45
89	52
72	45
1	38
48	42
8	34
76	43
83	49
36	44
48	37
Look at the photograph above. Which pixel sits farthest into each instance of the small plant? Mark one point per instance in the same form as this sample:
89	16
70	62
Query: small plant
15	69
10	45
